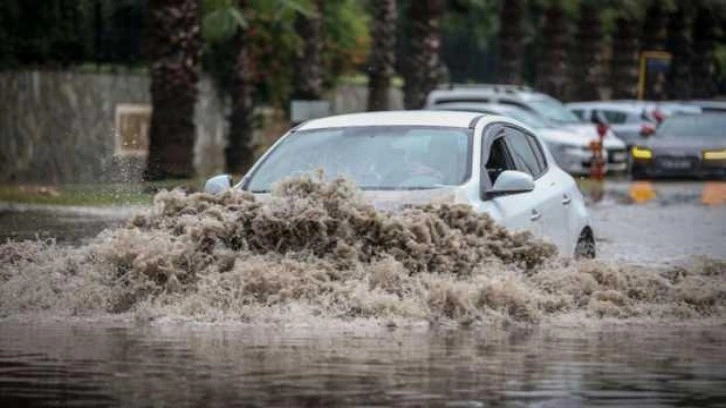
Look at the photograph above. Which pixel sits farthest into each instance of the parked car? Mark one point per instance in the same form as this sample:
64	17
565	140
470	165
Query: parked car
684	145
570	148
708	105
548	108
493	163
526	98
632	123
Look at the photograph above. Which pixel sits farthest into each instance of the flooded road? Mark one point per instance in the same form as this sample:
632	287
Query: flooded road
147	360
188	365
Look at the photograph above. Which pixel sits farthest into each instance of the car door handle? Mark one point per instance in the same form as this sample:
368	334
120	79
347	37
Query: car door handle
566	199
535	215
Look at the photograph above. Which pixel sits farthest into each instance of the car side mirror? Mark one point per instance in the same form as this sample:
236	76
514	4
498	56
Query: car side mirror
218	184
511	182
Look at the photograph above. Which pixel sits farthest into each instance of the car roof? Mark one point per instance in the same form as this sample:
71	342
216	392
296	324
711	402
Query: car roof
473	94
395	118
621	106
478	106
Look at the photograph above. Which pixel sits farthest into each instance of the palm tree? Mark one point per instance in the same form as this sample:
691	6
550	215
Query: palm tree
174	48
679	45
309	79
551	70
235	20
383	54
239	154
511	41
702	65
586	71
654	27
654	39
624	73
423	70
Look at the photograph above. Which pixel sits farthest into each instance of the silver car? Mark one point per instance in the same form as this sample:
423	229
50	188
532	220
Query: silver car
632	123
495	164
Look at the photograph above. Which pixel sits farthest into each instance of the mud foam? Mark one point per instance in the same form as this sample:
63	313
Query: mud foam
316	249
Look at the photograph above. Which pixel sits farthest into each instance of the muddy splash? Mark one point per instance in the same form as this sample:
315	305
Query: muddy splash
318	250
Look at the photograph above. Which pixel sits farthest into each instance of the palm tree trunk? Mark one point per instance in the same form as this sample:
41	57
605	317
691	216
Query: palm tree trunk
702	66
383	54
654	39
309	79
551	75
679	45
624	73
424	62
586	73
174	47
511	42
239	153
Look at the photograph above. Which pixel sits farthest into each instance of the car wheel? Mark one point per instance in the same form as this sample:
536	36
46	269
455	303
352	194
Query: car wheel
585	248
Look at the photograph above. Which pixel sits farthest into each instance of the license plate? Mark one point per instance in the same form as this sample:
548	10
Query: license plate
676	164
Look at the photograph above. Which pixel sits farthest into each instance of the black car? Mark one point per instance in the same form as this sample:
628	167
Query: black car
684	146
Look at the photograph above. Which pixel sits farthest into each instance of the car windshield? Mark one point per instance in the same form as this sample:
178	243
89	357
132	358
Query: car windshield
553	110
376	157
706	126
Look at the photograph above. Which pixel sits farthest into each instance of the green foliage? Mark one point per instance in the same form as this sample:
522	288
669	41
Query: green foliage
347	36
269	25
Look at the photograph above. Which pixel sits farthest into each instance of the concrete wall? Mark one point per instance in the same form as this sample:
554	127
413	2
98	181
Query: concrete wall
59	127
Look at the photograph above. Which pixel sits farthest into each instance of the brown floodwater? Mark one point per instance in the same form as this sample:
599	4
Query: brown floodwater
314	298
82	364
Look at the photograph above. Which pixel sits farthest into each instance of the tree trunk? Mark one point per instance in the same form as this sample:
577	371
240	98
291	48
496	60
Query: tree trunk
424	62
511	42
309	78
383	54
239	153
702	66
679	45
654	27
624	73
174	46
586	73
552	67
654	39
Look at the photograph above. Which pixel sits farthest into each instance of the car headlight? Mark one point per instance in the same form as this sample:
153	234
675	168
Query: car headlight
641	153
715	155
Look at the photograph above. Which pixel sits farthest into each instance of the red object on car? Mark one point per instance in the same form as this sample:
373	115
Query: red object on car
647	129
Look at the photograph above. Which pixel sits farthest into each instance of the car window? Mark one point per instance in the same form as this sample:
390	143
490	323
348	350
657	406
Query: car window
524	156
375	157
579	113
538	153
499	159
614	117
